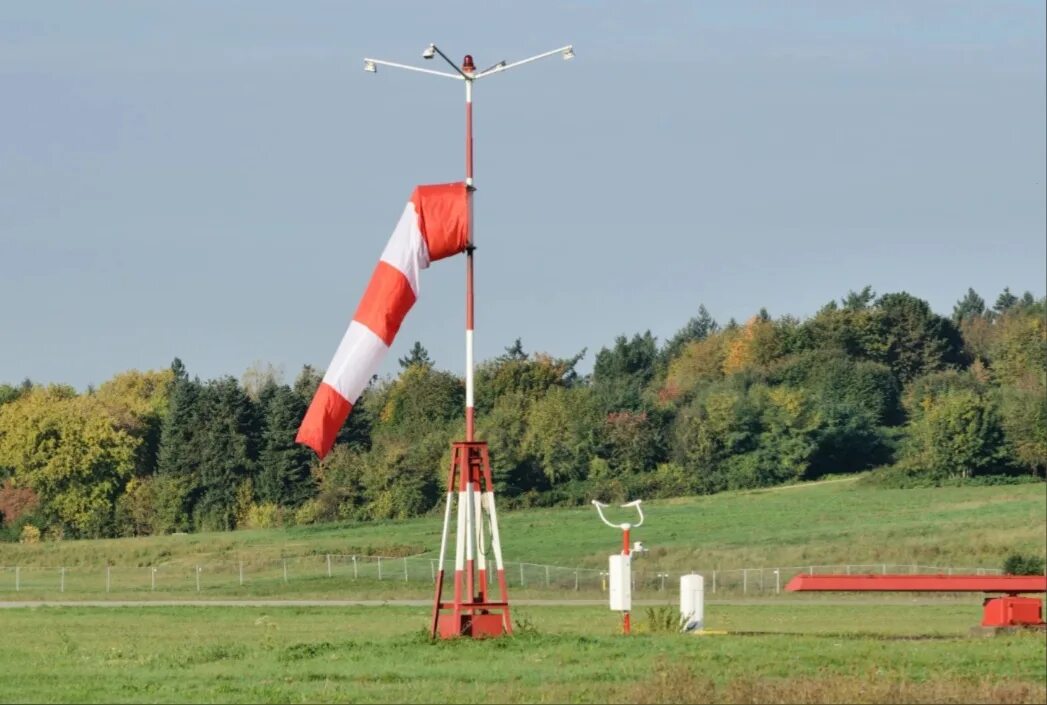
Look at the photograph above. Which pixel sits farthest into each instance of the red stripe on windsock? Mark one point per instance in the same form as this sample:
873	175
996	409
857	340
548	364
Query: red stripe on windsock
386	302
326	414
443	218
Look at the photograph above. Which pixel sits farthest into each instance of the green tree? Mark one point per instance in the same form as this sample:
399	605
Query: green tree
516	372
228	451
284	477
559	433
418	355
969	306
1005	301
1023	414
633	441
697	328
917	340
423	398
9	393
957	435
718	424
622	372
504	428
858	300
179	448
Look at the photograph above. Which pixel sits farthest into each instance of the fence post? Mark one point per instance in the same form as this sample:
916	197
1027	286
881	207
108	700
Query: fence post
546	576
810	570
884	569
152	579
18	579
522	583
285	569
379	567
847	569
241	573
61	581
576	581
107	582
328	565
432	569
714	582
198	569
777	581
745	581
405	570
355	574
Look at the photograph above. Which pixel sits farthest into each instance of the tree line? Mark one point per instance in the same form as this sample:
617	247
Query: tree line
868	382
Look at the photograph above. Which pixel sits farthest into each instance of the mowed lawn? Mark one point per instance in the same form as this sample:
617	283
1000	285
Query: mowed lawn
804	652
833	522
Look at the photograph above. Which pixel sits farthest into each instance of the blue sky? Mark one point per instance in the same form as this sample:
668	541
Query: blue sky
217	180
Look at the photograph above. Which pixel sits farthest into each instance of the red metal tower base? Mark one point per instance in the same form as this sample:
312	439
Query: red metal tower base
472	612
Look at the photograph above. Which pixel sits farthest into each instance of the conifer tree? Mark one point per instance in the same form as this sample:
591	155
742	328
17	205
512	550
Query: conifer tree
228	451
969	306
283	474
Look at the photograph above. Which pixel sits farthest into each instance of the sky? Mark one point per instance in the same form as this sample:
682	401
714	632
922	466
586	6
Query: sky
216	181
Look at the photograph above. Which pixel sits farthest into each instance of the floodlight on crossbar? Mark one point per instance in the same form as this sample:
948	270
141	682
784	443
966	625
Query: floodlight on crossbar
370	66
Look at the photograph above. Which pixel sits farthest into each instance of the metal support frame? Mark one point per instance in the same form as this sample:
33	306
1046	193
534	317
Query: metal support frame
471	611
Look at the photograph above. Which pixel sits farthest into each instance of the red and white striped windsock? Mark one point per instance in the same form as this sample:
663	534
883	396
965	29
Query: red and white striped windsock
435	224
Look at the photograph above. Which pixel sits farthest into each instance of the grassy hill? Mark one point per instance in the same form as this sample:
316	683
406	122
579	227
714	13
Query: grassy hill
830	522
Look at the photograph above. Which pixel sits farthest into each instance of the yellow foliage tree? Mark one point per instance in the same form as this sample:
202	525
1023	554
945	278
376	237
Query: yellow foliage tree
67	449
756	344
700	361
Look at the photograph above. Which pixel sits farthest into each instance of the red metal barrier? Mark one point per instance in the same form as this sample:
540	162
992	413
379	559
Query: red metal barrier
1010	611
1009	584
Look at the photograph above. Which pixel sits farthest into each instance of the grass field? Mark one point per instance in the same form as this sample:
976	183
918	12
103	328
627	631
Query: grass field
787	653
801	649
822	523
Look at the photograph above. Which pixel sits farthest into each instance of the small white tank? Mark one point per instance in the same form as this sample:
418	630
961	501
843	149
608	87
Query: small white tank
692	602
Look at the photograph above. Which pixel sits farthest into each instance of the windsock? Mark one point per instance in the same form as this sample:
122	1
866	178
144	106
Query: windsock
434	225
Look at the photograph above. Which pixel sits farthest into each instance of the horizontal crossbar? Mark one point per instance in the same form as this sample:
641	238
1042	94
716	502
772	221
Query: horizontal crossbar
1009	584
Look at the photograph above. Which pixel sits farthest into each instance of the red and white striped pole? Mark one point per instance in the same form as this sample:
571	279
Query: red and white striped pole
468	68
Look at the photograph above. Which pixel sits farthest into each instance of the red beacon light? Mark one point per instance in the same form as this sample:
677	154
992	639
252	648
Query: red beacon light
467	64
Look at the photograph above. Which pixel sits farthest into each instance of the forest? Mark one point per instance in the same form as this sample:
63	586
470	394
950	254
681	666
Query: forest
869	382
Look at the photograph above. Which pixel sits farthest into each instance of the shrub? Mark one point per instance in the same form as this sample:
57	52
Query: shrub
1021	564
311	512
30	534
264	516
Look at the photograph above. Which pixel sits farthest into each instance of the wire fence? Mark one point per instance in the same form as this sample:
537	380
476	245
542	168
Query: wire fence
328	571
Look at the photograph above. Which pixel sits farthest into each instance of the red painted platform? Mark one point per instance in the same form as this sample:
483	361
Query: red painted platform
1007	584
998	612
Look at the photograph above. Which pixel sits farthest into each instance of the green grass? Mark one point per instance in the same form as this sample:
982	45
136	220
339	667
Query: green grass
798	650
827	523
863	653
